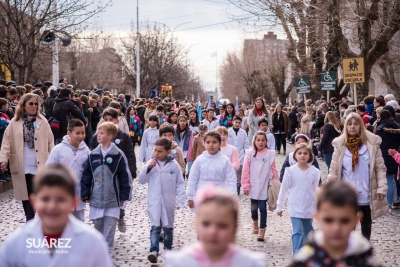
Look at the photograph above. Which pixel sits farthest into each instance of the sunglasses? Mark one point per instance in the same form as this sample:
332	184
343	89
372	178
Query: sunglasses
33	104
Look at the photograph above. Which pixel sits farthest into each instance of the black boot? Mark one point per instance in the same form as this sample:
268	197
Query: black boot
238	190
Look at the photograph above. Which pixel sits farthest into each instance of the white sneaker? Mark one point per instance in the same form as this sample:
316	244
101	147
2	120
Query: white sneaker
152	257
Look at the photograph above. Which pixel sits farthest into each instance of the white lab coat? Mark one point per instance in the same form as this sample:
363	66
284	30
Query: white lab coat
211	125
214	169
260	173
300	188
149	138
242	257
87	247
240	141
166	191
63	154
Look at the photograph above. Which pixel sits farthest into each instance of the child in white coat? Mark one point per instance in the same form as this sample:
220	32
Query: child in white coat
166	192
73	152
211	167
258	169
227	149
149	138
299	183
263	126
64	240
238	138
216	207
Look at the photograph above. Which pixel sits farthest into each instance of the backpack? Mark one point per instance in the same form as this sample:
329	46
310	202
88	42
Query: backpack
54	125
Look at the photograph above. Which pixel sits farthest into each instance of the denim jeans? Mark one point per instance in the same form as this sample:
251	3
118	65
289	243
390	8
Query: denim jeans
239	176
292	131
300	229
392	190
155	238
328	160
262	206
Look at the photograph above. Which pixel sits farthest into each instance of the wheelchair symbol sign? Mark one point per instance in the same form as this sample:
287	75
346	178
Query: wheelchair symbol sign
328	80
303	85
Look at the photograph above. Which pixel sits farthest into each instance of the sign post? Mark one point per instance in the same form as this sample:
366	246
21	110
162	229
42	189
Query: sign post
303	86
328	81
353	73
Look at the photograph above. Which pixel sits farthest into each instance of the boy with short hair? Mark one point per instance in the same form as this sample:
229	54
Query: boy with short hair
73	152
124	143
106	182
166	192
161	115
198	142
336	244
238	138
211	121
69	241
168	131
263	126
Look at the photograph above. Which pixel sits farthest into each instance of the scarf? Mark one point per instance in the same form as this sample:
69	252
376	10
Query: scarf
29	130
260	112
353	144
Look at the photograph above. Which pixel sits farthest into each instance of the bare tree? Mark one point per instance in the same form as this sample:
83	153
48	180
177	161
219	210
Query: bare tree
162	61
322	33
23	21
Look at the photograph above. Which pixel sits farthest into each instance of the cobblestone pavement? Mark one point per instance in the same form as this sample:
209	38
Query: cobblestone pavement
131	248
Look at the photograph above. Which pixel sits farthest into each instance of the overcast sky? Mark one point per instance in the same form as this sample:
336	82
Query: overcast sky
193	23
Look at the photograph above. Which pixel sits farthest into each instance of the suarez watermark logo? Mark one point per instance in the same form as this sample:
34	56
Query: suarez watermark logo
48	245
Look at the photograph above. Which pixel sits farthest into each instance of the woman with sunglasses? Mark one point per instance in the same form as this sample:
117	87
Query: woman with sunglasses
27	143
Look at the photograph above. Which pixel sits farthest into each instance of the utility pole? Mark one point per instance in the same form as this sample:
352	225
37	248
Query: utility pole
137	52
56	74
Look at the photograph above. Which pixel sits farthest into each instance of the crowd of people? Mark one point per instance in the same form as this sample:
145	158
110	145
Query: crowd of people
67	149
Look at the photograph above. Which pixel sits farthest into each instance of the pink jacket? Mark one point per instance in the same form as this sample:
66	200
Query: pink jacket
246	170
396	157
234	158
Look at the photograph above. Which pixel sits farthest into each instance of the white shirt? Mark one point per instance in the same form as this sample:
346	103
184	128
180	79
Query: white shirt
30	163
300	188
360	177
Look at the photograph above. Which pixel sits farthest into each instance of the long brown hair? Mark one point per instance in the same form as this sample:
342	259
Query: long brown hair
264	109
20	112
332	119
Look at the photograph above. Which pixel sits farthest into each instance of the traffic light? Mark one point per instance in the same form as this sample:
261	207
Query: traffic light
169	90
163	91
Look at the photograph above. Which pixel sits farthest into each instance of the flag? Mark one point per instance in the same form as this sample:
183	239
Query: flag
209	102
199	111
237	105
213	54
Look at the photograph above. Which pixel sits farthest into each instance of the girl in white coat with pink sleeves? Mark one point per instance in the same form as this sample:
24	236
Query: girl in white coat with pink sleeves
214	207
258	169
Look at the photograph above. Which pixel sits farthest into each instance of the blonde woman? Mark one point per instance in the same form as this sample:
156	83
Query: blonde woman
27	143
331	130
305	121
357	159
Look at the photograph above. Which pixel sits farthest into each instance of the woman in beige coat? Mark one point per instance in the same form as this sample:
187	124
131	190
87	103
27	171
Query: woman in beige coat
27	143
357	159
305	121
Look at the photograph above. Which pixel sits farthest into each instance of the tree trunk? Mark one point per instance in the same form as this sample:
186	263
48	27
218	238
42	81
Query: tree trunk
21	75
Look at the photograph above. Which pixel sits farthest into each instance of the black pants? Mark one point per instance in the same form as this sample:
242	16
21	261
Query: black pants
26	204
292	131
278	139
366	222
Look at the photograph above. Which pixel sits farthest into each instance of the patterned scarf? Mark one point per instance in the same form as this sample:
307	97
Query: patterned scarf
29	130
353	144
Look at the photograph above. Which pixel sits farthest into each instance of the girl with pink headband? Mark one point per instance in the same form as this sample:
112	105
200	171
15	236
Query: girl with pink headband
216	224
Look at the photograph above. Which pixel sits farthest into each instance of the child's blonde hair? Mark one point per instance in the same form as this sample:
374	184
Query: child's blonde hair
109	127
304	146
221	130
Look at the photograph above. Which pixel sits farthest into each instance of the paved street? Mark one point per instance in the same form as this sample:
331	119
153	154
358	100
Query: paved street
131	248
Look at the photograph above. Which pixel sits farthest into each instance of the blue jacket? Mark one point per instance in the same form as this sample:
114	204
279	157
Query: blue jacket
186	139
106	181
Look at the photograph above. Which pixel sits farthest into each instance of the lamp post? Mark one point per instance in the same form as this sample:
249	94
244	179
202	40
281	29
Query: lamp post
55	68
137	52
